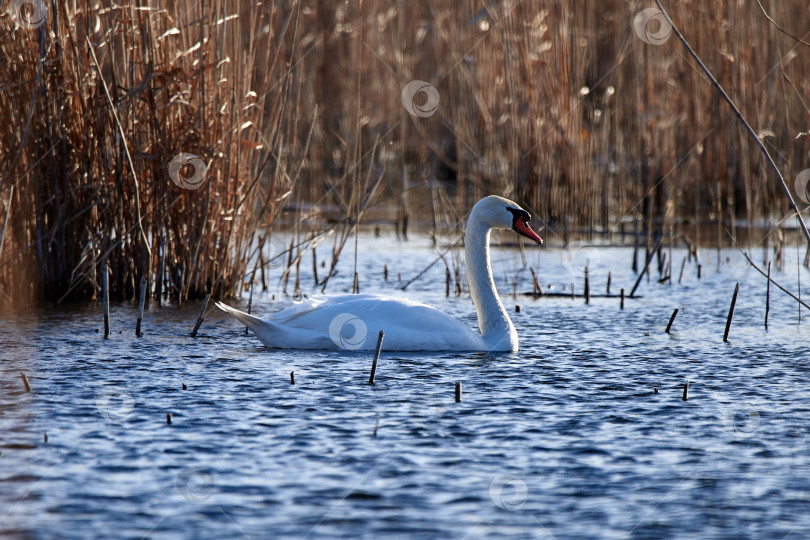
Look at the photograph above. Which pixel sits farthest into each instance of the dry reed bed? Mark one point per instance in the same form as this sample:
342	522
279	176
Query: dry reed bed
210	83
557	104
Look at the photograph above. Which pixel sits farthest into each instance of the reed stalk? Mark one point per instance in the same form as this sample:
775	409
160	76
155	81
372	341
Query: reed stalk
557	104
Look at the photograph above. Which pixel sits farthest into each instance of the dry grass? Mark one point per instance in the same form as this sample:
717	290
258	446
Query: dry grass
213	84
557	104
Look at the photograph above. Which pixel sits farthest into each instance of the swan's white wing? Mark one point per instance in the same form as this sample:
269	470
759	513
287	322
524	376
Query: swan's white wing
353	322
317	302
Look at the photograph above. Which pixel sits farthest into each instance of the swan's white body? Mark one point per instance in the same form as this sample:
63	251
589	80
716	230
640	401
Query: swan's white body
408	326
353	322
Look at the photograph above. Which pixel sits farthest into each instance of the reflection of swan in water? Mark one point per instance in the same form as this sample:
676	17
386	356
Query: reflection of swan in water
353	321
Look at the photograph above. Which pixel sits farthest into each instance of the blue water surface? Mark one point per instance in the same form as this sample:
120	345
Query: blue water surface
582	434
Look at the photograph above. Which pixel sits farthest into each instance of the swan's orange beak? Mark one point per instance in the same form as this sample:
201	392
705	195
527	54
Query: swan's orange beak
521	227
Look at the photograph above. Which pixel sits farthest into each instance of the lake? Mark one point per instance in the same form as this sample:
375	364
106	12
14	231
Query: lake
582	434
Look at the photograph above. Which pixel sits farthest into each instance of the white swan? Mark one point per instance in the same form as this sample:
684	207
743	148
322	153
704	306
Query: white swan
353	321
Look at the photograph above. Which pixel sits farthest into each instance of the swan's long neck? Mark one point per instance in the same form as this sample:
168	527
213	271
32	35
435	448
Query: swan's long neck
496	326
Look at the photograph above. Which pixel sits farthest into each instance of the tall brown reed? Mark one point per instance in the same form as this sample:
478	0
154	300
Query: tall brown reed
562	105
213	79
558	104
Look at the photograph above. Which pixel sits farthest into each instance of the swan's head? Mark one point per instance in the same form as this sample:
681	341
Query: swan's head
500	213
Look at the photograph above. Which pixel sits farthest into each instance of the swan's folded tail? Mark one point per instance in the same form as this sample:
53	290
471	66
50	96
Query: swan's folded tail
256	324
274	335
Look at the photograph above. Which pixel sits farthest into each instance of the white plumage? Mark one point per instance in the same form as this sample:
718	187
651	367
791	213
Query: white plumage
353	322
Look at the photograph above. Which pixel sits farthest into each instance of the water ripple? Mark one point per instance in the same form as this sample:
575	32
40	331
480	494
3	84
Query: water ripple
566	439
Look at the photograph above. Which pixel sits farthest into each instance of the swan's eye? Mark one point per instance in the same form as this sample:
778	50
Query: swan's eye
519	215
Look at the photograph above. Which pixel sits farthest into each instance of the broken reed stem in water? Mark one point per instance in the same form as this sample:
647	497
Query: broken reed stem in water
622	300
731	312
608	283
768	296
650	256
686	390
168	418
700	270
757	268
314	266
292	377
141	303
672	320
587	287
200	318
376	357
458	392
25	382
264	280
536	289
105	298
799	280
250	298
